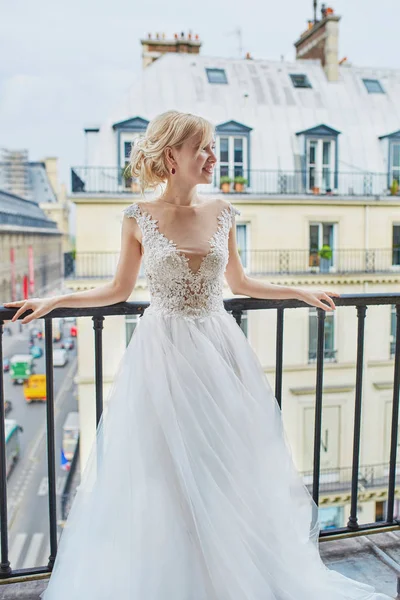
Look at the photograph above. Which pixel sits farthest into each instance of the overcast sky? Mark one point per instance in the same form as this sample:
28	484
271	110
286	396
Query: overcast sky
64	67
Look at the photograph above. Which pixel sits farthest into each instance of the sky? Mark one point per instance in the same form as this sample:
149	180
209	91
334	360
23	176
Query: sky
65	66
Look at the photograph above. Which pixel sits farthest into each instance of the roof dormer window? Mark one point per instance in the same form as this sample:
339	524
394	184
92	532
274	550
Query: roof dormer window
373	86
216	76
300	80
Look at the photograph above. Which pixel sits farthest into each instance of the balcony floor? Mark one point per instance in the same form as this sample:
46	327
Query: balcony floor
358	558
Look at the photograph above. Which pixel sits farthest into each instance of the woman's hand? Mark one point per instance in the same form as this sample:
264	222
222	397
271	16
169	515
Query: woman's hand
39	306
315	297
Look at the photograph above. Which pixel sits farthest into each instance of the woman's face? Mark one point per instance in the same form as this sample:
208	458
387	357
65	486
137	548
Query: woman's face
195	170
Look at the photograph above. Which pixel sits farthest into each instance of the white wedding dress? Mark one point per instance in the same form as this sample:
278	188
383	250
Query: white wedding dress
190	491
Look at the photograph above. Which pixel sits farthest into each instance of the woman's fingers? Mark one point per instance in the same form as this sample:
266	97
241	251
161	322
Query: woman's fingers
16	303
331	302
20	312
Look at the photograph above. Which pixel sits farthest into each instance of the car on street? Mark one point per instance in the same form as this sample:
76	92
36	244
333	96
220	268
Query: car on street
36	351
68	343
60	357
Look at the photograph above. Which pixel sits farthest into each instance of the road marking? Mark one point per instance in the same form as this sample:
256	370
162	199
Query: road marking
16	549
33	551
44	486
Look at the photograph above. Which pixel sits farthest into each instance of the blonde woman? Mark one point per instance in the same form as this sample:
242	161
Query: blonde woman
190	492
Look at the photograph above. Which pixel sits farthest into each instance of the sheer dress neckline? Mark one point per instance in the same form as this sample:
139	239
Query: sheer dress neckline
211	242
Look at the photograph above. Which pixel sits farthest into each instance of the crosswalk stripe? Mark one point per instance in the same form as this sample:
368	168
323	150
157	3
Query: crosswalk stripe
16	548
33	551
44	486
44	559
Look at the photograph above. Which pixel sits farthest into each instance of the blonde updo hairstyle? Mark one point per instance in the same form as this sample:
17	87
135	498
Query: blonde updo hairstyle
147	161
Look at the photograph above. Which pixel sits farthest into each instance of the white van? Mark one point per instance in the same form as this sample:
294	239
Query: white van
60	357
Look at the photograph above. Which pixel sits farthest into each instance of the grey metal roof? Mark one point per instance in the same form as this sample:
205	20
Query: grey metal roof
33	180
260	94
24	213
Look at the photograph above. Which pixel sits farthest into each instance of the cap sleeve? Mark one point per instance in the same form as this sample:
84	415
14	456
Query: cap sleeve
233	212
132	211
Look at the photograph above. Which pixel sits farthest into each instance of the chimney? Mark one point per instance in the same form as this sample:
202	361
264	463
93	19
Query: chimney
320	41
154	47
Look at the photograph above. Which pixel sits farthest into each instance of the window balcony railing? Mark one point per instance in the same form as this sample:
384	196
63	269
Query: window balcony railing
356	476
110	180
340	479
264	262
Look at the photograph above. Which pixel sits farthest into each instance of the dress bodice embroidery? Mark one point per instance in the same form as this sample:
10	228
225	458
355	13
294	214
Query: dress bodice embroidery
175	288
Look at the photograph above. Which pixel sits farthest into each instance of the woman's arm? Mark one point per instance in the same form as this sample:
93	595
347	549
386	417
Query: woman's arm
241	284
120	288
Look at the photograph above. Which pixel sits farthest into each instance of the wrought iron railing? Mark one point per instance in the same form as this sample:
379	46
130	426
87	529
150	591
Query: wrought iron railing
110	180
237	306
265	262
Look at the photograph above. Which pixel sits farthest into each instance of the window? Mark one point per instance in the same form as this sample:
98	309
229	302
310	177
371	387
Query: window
320	165
395	161
329	338
241	239
300	80
131	322
373	86
216	76
392	330
322	234
127	139
396	245
232	156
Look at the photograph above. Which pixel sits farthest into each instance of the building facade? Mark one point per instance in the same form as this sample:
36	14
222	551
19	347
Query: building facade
316	144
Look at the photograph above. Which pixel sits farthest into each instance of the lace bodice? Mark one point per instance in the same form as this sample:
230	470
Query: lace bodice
175	287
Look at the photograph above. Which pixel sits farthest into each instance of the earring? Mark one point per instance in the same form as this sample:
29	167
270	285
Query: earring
173	171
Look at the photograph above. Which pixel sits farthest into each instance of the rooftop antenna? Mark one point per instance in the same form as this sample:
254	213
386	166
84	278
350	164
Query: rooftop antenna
238	33
315	2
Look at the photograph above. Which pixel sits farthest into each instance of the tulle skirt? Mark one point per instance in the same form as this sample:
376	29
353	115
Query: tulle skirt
190	491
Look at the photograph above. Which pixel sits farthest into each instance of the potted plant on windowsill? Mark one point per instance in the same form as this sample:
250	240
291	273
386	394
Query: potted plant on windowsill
325	252
239	183
225	184
129	181
394	188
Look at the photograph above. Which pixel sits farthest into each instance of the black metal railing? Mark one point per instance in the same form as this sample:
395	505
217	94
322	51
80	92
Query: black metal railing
110	180
237	306
264	262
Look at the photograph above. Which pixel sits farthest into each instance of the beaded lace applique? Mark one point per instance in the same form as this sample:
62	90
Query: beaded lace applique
175	289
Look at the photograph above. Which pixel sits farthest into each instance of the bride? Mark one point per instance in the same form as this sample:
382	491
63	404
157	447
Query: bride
190	491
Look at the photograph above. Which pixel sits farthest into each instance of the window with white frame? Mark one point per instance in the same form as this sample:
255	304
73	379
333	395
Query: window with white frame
392	329
322	246
232	154
320	164
329	336
395	161
396	245
126	141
